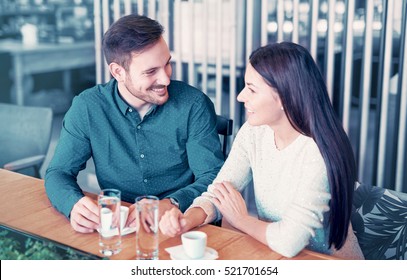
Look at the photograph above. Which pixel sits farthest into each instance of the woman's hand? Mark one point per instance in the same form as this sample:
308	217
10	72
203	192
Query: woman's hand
230	203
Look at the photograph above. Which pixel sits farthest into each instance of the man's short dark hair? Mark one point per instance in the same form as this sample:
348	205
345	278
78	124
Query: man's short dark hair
129	34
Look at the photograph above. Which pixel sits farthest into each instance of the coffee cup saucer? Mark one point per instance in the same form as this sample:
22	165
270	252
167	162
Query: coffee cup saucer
178	253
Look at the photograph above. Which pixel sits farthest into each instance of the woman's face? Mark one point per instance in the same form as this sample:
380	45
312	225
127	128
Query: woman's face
262	102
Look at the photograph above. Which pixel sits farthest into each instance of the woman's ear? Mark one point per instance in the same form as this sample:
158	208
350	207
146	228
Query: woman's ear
117	72
278	99
281	104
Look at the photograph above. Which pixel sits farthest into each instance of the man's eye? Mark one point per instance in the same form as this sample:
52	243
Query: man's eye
149	72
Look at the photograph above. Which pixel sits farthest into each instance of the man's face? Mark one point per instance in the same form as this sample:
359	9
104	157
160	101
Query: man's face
148	76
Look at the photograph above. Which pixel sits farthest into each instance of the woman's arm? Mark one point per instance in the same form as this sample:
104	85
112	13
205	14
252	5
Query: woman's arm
298	222
231	204
237	170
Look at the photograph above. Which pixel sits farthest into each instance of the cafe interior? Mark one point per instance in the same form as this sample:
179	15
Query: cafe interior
50	51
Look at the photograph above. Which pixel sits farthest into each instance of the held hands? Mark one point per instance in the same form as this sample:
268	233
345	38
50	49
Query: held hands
229	202
173	223
145	220
85	215
225	197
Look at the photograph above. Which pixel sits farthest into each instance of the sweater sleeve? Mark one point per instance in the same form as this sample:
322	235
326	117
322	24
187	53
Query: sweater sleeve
305	214
237	170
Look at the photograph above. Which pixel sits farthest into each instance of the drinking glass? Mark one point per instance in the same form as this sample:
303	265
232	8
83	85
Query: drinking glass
147	227
109	222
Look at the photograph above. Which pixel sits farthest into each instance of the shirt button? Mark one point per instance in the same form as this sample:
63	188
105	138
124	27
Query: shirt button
139	126
145	180
130	110
142	155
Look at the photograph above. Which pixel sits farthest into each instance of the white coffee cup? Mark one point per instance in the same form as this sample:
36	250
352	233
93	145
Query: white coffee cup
194	244
124	213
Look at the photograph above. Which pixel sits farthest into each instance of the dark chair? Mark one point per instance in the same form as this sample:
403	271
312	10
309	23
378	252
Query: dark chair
379	221
25	134
224	126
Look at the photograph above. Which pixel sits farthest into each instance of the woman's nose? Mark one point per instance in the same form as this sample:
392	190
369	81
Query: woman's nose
241	96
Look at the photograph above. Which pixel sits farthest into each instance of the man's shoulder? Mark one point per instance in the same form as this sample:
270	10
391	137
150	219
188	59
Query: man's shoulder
94	97
183	90
100	91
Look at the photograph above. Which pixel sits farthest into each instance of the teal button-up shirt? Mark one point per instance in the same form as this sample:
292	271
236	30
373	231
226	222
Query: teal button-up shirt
174	151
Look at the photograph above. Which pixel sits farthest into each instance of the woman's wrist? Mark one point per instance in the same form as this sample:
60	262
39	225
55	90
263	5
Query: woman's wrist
241	222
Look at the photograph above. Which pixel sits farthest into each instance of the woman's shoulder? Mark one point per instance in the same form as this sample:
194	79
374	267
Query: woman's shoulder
310	150
309	144
249	137
254	131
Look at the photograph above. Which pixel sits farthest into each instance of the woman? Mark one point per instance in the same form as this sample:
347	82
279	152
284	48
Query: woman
298	155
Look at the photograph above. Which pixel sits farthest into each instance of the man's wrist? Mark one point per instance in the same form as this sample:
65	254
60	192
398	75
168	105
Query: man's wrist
195	217
174	202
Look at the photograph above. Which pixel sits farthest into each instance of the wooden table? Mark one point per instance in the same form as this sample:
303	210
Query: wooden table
46	58
24	205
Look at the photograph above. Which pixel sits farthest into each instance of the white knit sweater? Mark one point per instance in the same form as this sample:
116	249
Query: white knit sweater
290	186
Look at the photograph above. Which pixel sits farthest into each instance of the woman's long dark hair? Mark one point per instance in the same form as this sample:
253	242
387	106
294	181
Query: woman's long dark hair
290	69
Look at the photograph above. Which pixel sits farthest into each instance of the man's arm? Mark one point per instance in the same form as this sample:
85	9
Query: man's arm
71	154
204	152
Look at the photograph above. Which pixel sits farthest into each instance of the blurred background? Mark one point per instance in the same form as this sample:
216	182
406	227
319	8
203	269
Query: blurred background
50	50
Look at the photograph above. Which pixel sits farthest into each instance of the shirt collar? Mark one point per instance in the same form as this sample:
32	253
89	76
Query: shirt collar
124	106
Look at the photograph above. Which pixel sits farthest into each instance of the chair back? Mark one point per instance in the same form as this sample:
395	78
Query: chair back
379	221
224	126
25	133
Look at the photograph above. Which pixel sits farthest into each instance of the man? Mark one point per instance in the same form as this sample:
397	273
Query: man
145	133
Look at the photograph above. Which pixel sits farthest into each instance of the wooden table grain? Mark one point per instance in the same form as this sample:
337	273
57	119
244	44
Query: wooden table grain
24	205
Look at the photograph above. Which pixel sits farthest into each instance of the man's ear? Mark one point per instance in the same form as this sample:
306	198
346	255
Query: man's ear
117	72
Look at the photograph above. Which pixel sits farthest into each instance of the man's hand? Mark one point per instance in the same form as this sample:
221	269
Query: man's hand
85	215
173	223
164	205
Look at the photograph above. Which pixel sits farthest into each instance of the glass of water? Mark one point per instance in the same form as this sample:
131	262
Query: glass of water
147	227
109	222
